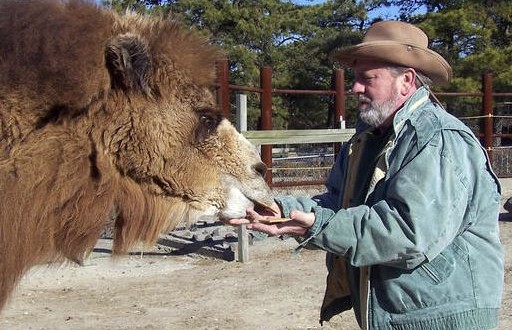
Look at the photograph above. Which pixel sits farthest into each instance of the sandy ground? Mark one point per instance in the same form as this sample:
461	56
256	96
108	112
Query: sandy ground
276	289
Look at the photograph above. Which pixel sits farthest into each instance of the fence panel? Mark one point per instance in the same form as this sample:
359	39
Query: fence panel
494	134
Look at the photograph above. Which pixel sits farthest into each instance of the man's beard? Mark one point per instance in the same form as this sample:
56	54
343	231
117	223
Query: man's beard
376	114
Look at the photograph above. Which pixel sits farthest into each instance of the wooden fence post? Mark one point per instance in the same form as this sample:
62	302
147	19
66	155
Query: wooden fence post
241	112
241	123
487	104
266	117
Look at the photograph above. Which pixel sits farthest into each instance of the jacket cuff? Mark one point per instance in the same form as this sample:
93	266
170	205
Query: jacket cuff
322	217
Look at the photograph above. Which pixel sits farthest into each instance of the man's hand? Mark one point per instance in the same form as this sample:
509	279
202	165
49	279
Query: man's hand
264	222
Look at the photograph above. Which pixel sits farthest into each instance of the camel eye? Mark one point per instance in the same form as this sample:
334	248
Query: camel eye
208	122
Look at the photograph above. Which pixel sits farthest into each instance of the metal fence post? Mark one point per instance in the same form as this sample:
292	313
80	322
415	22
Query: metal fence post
223	88
266	117
488	113
339	103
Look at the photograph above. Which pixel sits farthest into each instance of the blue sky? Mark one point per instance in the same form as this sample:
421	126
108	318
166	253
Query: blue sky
307	2
385	13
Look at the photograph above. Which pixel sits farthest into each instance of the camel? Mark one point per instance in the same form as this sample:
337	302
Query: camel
103	112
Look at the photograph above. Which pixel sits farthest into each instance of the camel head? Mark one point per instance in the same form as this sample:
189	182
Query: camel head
159	125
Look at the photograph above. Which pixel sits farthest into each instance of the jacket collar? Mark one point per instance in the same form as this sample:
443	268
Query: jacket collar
420	97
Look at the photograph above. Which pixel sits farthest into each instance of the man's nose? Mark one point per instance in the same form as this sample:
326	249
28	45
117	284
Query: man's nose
357	88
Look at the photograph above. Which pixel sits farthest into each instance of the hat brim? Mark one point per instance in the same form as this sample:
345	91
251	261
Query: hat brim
421	59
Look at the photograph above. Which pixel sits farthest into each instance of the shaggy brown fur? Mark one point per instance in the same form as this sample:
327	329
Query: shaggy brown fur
101	113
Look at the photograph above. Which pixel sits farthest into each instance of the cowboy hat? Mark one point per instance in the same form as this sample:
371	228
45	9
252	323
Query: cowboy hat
398	43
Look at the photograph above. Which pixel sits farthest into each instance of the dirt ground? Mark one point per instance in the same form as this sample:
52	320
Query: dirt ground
276	289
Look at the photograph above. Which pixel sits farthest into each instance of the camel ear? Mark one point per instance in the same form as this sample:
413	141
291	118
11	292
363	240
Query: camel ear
128	63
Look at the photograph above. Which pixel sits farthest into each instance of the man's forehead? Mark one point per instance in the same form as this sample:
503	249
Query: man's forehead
364	69
366	65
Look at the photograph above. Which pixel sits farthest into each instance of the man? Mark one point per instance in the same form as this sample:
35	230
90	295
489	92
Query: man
410	216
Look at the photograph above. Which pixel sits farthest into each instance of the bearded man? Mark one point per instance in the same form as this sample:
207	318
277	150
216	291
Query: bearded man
410	216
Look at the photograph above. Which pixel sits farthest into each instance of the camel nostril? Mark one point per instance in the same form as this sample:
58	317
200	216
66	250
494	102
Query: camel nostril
260	168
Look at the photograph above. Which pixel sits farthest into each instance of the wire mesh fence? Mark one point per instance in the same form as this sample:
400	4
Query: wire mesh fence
301	169
501	150
502	163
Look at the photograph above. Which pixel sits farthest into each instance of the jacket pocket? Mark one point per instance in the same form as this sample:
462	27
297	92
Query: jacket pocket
445	279
438	270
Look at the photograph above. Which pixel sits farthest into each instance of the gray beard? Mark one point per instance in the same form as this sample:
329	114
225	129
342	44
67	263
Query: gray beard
376	114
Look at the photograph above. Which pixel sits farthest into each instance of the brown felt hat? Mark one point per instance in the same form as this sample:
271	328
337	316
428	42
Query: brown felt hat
398	43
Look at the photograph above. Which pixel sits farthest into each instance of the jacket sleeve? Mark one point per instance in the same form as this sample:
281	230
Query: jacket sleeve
419	209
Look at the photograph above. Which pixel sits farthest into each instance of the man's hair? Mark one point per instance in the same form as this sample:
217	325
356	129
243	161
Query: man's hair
421	79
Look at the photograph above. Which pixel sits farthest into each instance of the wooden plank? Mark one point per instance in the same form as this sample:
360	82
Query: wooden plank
243	244
299	136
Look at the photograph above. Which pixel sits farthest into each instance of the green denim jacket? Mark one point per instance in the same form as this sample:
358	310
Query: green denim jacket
428	229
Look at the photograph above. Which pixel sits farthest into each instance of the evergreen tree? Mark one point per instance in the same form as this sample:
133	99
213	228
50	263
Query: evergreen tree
296	40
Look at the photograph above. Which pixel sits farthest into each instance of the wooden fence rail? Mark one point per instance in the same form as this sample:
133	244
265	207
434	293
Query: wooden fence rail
329	135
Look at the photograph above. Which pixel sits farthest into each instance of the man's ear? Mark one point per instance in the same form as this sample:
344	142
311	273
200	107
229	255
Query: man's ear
408	82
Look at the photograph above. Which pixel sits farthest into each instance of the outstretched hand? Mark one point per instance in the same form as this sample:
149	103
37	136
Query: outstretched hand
268	222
